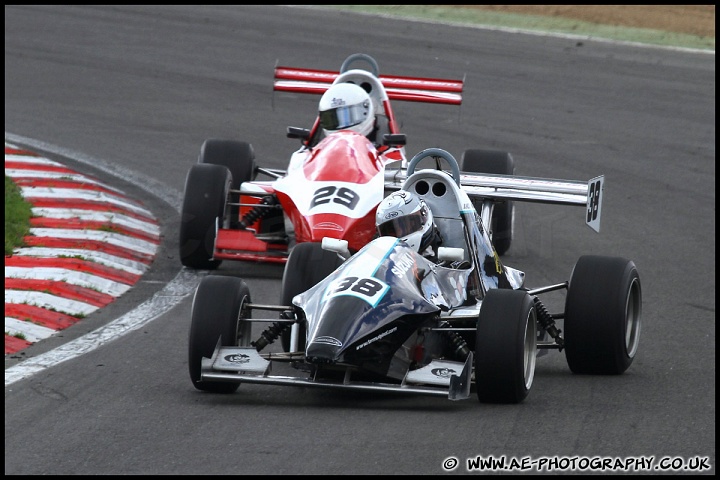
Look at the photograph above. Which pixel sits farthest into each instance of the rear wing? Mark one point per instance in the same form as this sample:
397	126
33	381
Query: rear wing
526	189
411	89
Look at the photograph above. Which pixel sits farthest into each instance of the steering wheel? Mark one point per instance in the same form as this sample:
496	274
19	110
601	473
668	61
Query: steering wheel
355	57
437	153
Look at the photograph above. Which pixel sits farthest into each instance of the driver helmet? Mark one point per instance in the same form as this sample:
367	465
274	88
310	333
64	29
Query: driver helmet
346	106
406	216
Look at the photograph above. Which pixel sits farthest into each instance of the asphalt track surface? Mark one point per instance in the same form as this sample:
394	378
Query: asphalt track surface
133	91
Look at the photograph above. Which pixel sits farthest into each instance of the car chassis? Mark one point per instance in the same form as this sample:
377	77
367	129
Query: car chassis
386	319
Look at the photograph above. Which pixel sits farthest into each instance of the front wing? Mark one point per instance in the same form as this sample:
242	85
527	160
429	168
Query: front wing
245	365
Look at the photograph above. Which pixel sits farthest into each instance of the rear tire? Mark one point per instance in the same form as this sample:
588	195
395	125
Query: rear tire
217	313
306	266
603	310
498	162
505	347
206	193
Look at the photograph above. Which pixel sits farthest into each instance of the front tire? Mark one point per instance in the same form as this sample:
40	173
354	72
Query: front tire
206	192
306	266
603	310
497	162
505	347
239	158
218	312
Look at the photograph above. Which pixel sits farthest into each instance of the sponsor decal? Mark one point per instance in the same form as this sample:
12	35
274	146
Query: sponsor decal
327	226
443	372
238	358
375	339
328	341
403	265
498	265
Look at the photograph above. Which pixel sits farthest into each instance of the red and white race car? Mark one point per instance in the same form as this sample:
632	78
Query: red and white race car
331	187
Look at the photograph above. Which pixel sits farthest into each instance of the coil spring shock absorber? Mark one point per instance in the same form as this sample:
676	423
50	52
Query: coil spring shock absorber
548	322
458	346
261	211
272	333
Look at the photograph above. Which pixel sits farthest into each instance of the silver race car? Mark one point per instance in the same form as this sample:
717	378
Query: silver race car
384	318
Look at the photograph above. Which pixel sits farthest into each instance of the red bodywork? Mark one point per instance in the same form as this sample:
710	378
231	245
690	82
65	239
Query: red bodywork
335	175
345	158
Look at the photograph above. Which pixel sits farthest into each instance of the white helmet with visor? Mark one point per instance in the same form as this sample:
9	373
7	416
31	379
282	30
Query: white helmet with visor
346	106
406	216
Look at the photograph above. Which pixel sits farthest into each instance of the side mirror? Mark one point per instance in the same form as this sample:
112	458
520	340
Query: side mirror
394	139
338	246
297	132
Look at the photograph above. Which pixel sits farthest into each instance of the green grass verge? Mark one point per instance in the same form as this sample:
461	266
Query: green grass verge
17	216
472	16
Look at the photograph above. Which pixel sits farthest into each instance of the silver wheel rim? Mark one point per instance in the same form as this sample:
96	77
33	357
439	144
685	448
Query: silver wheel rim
633	311
244	328
530	349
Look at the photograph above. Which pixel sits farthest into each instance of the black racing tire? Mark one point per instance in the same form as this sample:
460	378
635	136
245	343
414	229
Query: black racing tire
505	347
218	312
239	158
204	201
306	266
603	311
502	163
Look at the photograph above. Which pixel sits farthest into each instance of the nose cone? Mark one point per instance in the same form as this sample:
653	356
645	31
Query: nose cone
323	350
